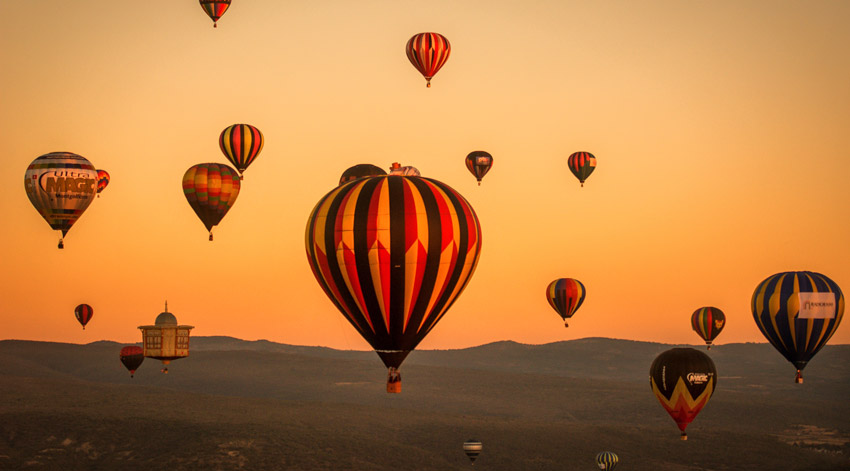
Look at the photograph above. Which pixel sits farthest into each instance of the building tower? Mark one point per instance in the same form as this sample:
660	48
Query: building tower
165	340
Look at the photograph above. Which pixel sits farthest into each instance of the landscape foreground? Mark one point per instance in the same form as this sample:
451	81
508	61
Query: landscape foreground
258	405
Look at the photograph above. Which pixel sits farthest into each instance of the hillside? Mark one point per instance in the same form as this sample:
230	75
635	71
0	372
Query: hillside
257	405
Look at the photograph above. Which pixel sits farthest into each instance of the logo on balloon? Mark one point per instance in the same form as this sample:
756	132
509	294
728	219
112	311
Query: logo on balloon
58	182
816	305
698	378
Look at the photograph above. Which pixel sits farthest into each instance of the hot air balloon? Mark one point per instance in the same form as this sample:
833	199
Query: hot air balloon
565	295
166	340
798	311
360	171
393	253
83	313
472	448
607	460
707	322
102	181
241	143
61	185
215	9
428	52
582	164
211	190
479	162
132	357
683	380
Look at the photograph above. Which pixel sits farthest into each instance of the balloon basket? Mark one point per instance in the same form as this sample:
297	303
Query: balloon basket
799	378
393	381
684	436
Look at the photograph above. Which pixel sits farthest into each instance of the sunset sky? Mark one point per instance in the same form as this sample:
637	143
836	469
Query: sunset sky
721	129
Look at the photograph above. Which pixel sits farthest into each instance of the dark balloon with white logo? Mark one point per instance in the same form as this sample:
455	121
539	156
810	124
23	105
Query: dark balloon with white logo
683	380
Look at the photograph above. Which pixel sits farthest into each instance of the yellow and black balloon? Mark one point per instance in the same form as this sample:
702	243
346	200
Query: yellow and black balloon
798	311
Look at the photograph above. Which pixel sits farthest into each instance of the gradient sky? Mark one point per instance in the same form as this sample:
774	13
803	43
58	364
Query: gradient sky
722	132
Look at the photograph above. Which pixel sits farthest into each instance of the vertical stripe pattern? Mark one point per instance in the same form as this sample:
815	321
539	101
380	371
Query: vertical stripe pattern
582	164
776	306
83	313
393	253
565	295
214	9
211	189
607	460
478	163
707	322
241	143
428	52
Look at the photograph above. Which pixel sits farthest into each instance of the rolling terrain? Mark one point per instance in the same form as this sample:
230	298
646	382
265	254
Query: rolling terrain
260	405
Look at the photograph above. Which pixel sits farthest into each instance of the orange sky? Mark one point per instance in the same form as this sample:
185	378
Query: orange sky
721	131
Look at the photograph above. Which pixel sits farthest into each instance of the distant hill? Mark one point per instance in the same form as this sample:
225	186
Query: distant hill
235	404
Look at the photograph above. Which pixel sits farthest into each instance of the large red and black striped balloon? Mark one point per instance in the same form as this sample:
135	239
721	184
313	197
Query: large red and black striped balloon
393	253
428	52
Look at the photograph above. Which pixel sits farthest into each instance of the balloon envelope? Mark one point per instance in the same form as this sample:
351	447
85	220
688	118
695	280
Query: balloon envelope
215	9
478	163
607	460
428	52
102	180
241	143
683	380
83	313
472	448
565	295
132	357
393	253
707	322
360	171
798	311
61	185
582	164
211	189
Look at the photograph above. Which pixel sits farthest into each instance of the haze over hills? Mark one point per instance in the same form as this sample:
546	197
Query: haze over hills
237	404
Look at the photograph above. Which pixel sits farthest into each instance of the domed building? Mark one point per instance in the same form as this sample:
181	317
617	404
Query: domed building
165	340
